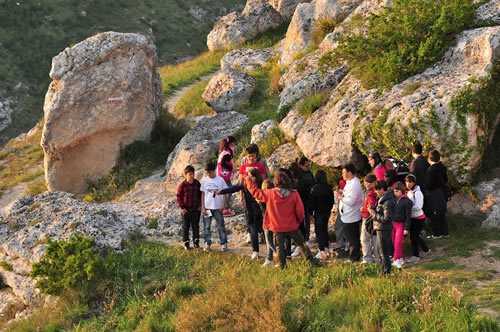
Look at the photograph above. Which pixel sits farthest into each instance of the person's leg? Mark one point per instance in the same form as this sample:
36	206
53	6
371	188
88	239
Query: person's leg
288	246
339	233
298	238
384	248
207	234
302	228
414	236
229	184
219	219
254	235
351	233
195	225
435	225
321	229
279	239
443	223
398	242
270	244
307	225
185	228
366	247
376	256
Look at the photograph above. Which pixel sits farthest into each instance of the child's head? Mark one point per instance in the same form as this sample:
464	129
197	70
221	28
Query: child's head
304	164
210	170
281	180
320	177
399	189
410	181
434	156
189	173
227	143
390	177
267	184
380	187
256	177
416	149
369	181
252	152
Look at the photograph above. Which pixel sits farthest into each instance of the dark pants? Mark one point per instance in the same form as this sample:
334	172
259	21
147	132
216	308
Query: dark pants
417	225
288	246
307	225
439	224
191	220
384	245
352	235
254	235
321	228
298	238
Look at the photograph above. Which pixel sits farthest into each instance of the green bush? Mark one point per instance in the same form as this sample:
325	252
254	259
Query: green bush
403	40
312	102
6	266
67	265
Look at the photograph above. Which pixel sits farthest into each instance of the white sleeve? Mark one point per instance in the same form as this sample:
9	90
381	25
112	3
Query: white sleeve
352	195
419	200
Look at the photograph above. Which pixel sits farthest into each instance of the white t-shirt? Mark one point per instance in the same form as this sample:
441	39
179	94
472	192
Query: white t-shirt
352	202
208	186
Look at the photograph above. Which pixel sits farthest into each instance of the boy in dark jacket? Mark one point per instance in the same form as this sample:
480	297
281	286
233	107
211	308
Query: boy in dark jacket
382	222
189	200
437	177
401	222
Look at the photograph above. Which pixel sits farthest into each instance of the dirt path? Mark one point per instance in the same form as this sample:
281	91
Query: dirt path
11	194
174	98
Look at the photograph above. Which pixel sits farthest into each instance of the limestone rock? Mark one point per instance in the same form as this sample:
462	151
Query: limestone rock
235	29
286	7
298	35
199	145
489	12
292	123
262	130
489	195
246	59
282	157
6	113
228	90
106	93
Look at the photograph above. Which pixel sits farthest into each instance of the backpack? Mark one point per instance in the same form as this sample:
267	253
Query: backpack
399	165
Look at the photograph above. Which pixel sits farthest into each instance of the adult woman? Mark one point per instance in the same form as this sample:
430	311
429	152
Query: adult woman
378	167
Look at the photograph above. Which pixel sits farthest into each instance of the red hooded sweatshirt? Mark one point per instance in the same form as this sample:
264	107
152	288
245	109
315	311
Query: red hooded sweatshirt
284	212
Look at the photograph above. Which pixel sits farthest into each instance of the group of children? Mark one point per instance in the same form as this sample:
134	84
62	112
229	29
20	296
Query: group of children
373	224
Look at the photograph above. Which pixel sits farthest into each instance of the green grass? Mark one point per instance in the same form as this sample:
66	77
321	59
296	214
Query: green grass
158	288
312	102
191	102
5	266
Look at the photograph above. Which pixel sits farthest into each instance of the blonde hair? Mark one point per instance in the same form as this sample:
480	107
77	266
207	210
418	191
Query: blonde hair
267	184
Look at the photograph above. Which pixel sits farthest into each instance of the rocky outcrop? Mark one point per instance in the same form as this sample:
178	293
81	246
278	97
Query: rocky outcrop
262	130
106	93
283	156
199	145
246	59
235	29
5	113
292	123
298	35
228	90
489	12
286	7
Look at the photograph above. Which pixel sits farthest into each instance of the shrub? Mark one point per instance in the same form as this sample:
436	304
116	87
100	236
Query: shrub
322	28
67	265
403	40
312	102
6	266
153	223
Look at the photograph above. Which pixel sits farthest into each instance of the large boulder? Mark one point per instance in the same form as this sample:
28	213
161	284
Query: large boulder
200	145
235	29
246	59
106	93
282	156
292	123
286	7
298	35
489	12
262	130
227	90
5	113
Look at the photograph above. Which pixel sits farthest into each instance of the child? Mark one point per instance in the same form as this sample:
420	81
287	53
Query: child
284	212
253	212
259	158
268	234
401	222
382	222
189	200
212	205
225	167
369	239
417	218
320	205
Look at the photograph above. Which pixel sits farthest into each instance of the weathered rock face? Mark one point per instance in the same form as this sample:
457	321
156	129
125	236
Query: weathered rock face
286	7
106	93
282	157
292	123
235	29
246	59
262	130
490	12
228	90
5	113
298	35
199	145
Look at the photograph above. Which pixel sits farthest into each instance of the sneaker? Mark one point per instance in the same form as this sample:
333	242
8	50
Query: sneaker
267	262
413	259
255	255
186	248
227	213
445	236
422	254
207	247
249	238
366	262
224	247
315	262
309	243
322	255
398	263
296	252
196	246
434	237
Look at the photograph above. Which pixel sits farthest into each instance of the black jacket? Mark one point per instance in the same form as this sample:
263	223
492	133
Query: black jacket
418	167
304	186
437	177
321	199
402	211
384	212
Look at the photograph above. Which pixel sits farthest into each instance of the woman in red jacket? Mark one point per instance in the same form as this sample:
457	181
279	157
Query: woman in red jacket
284	212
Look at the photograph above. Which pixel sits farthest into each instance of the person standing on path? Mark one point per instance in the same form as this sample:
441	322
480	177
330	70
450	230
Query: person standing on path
225	167
437	178
189	200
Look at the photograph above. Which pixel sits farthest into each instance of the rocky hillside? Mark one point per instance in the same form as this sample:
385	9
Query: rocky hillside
32	32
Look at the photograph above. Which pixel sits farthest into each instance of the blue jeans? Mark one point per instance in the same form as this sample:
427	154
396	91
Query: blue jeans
229	184
219	220
270	244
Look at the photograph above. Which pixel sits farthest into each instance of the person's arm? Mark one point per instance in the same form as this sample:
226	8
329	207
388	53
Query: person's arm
299	208
310	202
418	200
231	190
225	162
255	191
203	210
383	213
408	206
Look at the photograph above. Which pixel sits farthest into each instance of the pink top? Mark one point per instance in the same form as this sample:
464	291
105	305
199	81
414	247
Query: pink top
379	171
224	172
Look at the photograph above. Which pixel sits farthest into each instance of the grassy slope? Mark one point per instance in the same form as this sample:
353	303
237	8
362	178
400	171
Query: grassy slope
32	32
